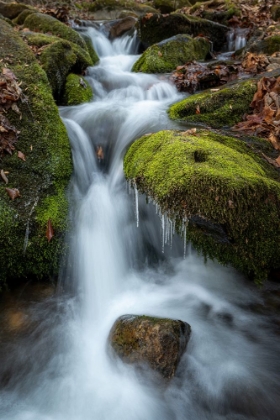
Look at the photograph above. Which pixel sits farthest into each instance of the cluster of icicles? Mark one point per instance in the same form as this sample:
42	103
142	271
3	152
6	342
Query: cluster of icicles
168	222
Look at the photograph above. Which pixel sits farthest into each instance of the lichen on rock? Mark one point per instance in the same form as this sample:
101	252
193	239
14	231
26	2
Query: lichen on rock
145	340
217	178
167	55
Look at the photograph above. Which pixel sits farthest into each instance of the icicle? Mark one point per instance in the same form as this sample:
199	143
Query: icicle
163	229
185	240
136	205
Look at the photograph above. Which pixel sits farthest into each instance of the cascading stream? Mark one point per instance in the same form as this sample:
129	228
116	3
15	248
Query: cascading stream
64	369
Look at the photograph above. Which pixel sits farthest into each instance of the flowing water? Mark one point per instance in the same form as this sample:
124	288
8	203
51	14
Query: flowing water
57	366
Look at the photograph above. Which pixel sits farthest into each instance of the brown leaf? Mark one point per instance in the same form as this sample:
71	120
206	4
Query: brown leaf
197	109
230	204
21	156
191	131
3	176
159	54
49	232
13	193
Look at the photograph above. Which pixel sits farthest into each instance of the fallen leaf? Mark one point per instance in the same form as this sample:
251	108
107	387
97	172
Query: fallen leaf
21	156
3	176
197	109
13	193
49	232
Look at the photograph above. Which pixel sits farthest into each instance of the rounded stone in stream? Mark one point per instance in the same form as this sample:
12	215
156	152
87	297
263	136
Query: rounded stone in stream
158	342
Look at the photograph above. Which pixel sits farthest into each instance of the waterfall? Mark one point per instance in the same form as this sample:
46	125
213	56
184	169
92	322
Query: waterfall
63	369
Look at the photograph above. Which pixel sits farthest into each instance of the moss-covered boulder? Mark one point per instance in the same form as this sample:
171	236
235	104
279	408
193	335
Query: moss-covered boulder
145	340
112	9
269	45
12	10
58	58
221	108
155	28
168	6
167	55
41	177
93	55
19	20
76	90
216	10
214	177
38	22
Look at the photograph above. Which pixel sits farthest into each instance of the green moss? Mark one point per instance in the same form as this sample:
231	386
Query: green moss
75	92
217	109
19	20
208	10
117	4
166	56
47	24
213	176
168	6
61	58
12	10
269	45
41	179
58	59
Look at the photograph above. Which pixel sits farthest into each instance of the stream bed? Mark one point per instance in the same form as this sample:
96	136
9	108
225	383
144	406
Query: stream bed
55	359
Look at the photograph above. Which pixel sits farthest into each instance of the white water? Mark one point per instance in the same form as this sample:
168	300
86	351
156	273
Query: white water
63	369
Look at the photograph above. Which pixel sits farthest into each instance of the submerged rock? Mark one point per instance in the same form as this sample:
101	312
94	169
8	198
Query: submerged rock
157	342
167	55
219	179
155	28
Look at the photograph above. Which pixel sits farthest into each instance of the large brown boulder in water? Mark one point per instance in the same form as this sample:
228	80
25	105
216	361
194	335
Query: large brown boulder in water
157	342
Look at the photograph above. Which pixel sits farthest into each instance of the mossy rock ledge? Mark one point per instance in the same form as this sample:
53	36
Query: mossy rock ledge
41	179
76	90
213	178
167	55
145	340
155	28
221	108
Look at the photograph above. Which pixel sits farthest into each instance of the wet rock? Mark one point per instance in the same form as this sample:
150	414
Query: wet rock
157	342
121	26
219	179
170	53
269	45
155	28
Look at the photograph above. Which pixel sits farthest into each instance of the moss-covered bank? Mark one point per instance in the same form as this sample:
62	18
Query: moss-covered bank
41	179
224	107
167	55
216	178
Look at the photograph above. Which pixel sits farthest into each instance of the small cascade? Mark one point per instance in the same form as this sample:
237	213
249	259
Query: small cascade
61	366
237	38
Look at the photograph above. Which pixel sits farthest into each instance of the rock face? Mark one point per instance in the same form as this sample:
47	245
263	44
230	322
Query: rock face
155	28
220	179
157	342
167	55
121	26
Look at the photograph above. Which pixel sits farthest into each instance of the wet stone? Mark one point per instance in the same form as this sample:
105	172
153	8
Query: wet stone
156	342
